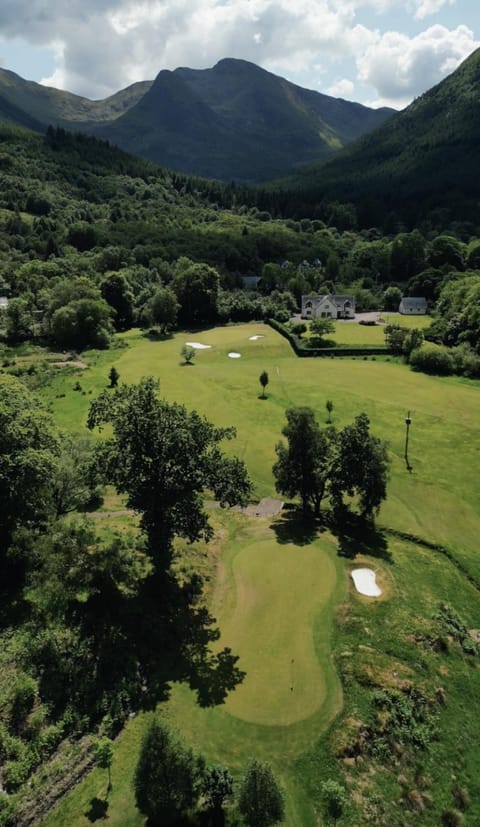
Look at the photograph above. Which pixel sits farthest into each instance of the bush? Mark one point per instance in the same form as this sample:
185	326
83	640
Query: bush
437	362
22	699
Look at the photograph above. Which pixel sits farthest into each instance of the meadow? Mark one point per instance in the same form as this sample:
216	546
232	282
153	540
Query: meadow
311	647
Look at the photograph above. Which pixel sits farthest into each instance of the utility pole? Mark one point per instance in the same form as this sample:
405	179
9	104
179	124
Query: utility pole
408	422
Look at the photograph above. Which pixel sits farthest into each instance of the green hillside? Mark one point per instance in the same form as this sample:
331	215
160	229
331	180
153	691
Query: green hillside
45	105
426	157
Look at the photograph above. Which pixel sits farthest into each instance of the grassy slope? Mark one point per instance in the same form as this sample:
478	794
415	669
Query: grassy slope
437	501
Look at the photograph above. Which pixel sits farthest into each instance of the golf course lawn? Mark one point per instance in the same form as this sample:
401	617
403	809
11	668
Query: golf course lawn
275	594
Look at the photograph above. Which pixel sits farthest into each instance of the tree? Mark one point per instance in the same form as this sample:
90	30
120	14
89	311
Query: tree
19	320
334	799
458	312
303	464
82	323
263	379
116	291
113	376
196	287
319	328
187	353
446	251
407	256
164	458
395	337
261	800
29	451
392	298
164	308
167	777
75	481
104	756
329	407
360	467
413	340
217	787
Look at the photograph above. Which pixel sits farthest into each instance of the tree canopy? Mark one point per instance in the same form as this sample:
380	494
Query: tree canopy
318	461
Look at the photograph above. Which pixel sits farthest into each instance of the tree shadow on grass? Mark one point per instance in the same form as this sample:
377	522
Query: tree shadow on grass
156	335
98	809
297	527
356	535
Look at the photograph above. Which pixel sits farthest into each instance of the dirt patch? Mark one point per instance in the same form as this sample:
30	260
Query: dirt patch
267	507
74	363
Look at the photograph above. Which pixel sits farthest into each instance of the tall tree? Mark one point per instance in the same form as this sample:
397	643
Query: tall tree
117	293
164	458
261	799
164	308
167	776
196	287
303	464
361	466
29	451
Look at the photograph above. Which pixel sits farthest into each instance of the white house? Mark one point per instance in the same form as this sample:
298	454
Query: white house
413	306
3	302
328	307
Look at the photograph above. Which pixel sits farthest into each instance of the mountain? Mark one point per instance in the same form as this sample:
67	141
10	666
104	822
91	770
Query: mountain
423	158
21	100
237	121
234	121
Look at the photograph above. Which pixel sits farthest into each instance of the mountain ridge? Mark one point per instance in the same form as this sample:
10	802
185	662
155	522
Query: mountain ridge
234	121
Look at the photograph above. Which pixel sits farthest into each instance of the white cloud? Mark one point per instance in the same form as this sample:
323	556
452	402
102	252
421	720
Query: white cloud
104	45
341	89
400	68
427	7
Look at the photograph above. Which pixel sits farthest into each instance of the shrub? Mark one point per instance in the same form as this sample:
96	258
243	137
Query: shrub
438	362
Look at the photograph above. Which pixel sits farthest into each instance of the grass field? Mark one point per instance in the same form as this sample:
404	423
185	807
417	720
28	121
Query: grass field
352	333
276	596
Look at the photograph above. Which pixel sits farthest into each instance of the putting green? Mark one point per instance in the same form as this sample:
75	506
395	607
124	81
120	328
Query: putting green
278	592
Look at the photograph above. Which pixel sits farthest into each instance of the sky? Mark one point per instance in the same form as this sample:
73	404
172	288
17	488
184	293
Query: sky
376	52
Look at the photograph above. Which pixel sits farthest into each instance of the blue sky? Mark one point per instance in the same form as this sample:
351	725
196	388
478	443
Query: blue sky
377	52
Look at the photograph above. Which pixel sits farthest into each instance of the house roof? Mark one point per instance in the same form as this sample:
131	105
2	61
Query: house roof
414	301
337	300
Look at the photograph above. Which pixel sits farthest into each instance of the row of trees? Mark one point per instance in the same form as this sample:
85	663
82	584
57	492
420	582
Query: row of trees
315	463
171	782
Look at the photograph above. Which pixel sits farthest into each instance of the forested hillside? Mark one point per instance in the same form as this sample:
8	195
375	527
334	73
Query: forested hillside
424	160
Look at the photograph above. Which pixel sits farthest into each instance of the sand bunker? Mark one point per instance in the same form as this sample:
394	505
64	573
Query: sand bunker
198	345
234	355
365	582
254	338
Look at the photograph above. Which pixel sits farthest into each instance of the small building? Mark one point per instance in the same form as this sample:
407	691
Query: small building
250	282
3	302
328	307
413	306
